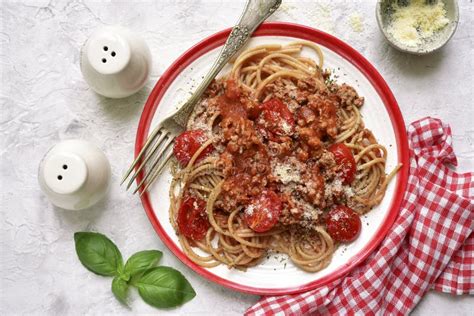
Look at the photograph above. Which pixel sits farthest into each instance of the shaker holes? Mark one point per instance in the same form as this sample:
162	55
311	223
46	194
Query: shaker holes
60	177
64	167
106	48
104	60
113	54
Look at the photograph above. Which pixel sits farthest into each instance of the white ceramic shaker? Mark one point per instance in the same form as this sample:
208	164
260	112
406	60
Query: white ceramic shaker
115	62
74	174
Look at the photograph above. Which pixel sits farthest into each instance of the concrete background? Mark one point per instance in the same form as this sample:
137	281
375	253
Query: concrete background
44	100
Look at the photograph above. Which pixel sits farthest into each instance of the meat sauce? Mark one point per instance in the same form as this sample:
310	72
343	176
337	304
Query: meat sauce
255	134
255	138
245	160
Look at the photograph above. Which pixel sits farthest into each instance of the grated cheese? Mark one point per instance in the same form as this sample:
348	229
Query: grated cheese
334	187
250	209
198	119
310	215
417	22
286	173
286	127
349	191
356	23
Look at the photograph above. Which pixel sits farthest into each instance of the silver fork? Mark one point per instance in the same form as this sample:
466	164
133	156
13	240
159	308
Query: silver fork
157	150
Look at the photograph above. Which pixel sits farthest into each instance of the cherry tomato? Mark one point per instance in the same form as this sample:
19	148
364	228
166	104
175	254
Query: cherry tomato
192	218
277	119
343	224
263	211
345	160
186	145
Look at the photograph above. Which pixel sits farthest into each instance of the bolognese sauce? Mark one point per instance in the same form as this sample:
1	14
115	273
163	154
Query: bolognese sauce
282	161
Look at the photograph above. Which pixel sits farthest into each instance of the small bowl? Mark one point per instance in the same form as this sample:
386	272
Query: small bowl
439	39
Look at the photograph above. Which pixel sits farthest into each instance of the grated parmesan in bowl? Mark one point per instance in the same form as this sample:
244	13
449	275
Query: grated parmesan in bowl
417	26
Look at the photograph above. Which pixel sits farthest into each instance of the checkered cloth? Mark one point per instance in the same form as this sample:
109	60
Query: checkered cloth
430	246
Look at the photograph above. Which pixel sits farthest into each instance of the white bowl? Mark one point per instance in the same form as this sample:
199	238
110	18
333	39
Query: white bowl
74	174
115	62
383	13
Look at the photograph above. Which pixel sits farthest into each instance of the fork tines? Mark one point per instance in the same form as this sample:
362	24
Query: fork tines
157	151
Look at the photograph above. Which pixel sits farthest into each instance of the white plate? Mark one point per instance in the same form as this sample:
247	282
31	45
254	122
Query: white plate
278	275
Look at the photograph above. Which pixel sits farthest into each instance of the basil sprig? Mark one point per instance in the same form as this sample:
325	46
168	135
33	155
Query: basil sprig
161	287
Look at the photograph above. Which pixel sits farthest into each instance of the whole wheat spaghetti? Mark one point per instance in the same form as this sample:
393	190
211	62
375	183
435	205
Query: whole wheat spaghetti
265	173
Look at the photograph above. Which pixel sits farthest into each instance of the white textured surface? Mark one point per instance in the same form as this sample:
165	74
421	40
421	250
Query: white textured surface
44	100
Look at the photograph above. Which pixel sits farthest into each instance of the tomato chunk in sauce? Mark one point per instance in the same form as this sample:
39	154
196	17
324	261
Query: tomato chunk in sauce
345	160
192	218
343	224
188	143
276	120
263	211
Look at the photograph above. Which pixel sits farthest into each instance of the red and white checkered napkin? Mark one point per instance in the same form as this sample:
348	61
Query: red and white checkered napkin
431	244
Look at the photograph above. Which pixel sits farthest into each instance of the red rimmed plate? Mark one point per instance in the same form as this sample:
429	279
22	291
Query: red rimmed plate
276	276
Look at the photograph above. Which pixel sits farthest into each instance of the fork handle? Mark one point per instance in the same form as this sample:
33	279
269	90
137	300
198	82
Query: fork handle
255	12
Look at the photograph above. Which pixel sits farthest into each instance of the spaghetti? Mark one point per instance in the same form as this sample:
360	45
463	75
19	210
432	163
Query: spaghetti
266	170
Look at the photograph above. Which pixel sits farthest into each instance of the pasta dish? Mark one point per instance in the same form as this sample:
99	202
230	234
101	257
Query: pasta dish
275	157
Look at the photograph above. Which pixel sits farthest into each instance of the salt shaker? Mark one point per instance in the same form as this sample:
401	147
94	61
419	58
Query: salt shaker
115	62
74	174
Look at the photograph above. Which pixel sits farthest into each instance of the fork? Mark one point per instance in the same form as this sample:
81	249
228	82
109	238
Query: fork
157	150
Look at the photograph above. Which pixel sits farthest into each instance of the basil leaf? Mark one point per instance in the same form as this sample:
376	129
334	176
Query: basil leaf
120	289
164	287
141	261
98	253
